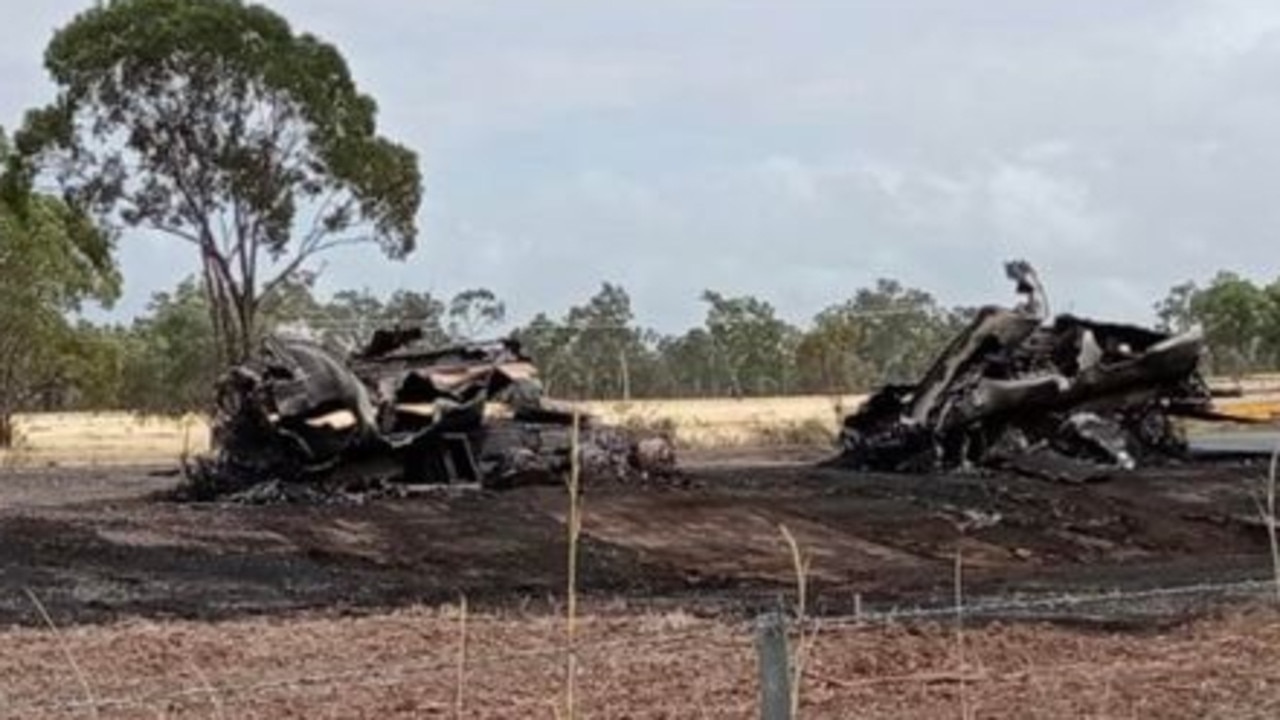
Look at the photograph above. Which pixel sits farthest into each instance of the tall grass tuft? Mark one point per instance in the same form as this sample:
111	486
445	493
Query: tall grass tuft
966	711
574	524
90	698
800	565
1270	517
460	679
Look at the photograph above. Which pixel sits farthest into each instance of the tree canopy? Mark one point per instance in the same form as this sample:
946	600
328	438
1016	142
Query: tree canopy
52	259
1240	319
214	122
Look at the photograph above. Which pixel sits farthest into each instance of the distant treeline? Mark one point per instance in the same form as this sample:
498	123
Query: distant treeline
165	361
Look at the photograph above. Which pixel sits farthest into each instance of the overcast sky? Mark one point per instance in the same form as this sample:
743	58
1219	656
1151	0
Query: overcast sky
795	150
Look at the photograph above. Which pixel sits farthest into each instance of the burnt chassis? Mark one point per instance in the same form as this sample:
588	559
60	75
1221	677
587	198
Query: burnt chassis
1065	398
466	414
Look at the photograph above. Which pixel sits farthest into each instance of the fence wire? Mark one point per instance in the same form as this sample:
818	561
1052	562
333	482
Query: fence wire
383	675
214	693
1033	606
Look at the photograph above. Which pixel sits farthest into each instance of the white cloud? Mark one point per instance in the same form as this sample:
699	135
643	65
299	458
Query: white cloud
1033	209
1219	29
789	180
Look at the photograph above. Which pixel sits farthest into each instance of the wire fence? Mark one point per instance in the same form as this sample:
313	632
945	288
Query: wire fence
720	637
365	676
1064	605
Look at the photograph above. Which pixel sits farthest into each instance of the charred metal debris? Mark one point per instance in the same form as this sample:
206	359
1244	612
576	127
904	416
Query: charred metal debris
1064	398
298	423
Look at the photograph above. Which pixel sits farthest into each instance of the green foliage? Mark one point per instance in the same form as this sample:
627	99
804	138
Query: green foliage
1174	312
347	321
93	357
688	366
596	351
474	312
829	357
420	310
549	343
606	344
902	329
887	333
292	304
1234	312
1240	319
750	345
169	361
214	122
52	259
742	349
165	362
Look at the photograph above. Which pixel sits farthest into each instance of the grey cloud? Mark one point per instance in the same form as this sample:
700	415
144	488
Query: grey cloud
798	150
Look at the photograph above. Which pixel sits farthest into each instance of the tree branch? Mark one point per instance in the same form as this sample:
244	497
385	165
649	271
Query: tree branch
176	232
304	254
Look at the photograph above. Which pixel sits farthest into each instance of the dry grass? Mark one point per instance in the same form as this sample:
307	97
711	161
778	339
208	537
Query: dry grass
117	438
90	699
109	438
460	681
719	422
573	527
1267	511
801	564
402	665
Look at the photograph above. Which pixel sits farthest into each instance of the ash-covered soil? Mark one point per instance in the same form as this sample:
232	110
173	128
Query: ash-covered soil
96	545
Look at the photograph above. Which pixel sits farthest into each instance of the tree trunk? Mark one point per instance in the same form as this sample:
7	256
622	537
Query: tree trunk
224	338
6	428
246	321
233	312
626	375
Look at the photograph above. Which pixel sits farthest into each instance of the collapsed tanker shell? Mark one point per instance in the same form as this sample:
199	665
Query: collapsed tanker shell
1068	398
296	420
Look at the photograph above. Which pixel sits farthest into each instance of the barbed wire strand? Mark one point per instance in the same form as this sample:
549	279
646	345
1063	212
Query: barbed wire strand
388	675
1063	600
445	662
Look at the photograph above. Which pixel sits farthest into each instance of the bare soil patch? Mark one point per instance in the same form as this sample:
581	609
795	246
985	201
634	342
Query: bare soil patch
96	547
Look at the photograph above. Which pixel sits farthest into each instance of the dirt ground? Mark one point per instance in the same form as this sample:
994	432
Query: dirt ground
220	610
411	664
94	546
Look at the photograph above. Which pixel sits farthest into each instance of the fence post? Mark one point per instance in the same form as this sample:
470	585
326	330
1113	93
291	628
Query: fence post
775	668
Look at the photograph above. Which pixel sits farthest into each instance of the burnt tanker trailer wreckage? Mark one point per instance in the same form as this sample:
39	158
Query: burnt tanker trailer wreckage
1066	399
297	422
1063	398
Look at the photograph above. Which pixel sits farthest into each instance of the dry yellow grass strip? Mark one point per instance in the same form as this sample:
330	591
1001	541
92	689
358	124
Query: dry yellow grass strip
119	438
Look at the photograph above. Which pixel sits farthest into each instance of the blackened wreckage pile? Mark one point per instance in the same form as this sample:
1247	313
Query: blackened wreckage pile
1067	399
297	422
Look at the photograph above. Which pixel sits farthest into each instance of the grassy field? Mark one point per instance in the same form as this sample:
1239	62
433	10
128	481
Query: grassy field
117	438
108	438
